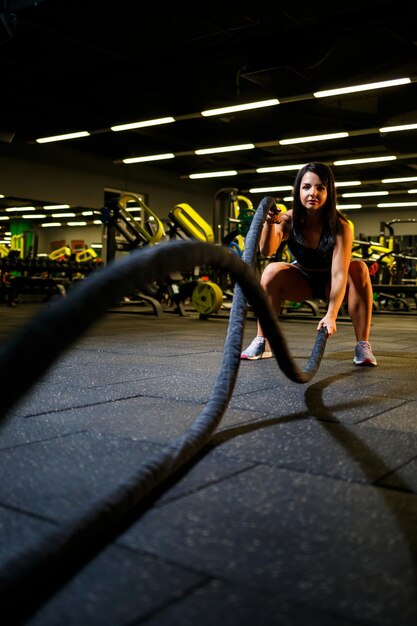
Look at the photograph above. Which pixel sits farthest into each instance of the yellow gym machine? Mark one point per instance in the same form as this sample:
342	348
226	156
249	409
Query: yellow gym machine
124	231
232	217
185	223
4	250
387	267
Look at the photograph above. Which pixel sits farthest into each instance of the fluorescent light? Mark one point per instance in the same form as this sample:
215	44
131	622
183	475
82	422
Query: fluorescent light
86	213
279	168
394	129
76	223
368	160
3	218
155	122
405	179
287	142
63	215
241	107
33	216
1	195
151	157
266	189
19	209
97	222
52	207
348	183
365	193
82	133
343	207
242	146
365	87
393	204
50	224
96	245
288	198
412	191
214	174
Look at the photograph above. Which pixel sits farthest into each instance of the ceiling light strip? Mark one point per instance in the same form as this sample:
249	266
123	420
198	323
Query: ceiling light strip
404	179
53	207
242	146
151	157
279	168
348	183
360	194
213	174
365	87
395	204
283	168
266	144
394	129
77	135
240	107
19	209
237	108
325	137
249	146
143	124
380	159
267	189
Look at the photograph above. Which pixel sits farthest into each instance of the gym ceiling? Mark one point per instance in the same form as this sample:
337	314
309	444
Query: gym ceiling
80	65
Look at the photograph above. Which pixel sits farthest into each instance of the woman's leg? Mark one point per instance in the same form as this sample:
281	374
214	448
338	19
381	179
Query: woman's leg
360	299
280	280
283	281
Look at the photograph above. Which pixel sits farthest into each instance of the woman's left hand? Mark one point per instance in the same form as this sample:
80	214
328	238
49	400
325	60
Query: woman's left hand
329	323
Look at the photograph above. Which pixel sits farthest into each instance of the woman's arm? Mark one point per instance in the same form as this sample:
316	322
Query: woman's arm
275	230
339	274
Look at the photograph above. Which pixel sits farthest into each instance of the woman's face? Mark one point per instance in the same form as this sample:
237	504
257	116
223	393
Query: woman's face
313	193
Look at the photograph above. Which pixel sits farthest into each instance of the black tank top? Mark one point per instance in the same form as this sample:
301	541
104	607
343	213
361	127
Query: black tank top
310	258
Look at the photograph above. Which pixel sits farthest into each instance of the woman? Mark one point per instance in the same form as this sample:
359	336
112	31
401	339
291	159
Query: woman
320	240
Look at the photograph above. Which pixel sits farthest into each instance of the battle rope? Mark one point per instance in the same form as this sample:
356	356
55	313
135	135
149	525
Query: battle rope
27	580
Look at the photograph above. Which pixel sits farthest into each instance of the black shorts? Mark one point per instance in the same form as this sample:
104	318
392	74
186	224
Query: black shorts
317	279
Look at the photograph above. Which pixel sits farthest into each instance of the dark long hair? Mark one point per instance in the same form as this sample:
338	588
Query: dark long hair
330	215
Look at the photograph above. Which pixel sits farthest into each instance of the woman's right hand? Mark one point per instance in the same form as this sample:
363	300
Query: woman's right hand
272	215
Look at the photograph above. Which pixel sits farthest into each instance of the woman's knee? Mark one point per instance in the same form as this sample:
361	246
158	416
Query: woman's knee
359	273
271	274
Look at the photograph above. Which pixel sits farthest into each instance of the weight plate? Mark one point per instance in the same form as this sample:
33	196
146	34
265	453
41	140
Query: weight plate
207	297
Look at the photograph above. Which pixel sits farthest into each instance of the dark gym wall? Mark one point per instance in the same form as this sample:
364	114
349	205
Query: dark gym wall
58	174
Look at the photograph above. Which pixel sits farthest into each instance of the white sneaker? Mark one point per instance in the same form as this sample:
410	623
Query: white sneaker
256	350
363	354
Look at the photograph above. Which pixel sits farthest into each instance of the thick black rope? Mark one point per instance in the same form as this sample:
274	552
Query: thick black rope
28	580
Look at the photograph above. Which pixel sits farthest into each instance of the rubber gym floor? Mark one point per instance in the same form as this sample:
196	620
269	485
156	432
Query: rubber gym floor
300	510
